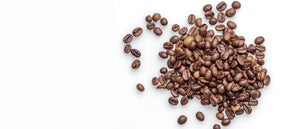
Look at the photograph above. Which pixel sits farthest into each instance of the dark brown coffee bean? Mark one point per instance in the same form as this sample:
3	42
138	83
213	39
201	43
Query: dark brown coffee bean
193	31
255	94
251	49
136	64
207	7
168	45
267	80
220	115
170	85
150	26
148	18
236	5
260	48
175	27
174	93
162	80
247	108
140	87
156	17
242	50
243	96
220	27
127	38
221	6
160	87
157	31
221	17
253	102
259	40
127	48
135	52
198	22
174	39
191	19
213	21
184	100
230	12
216	126
239	112
209	14
181	119
200	116
163	70
186	74
183	30
163	21
226	122
154	81
173	101
163	55
260	61
137	31
260	55
171	52
229	113
231	24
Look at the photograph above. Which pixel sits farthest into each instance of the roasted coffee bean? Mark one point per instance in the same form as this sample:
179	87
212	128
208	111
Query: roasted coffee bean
230	12
198	22
154	81
174	39
226	122
150	26
229	113
137	31
200	116
160	87
170	85
260	61
259	40
191	19
157	31
247	108
186	74
209	14
168	45
260	48
216	126
173	101
181	119
175	27
251	49
148	18
260	55
184	100
220	115
135	52
231	24
156	17
267	80
220	27
213	21
162	80
163	55
221	17
140	87
253	102
174	93
127	38
163	70
163	21
183	30
188	40
136	64
239	112
127	48
236	5
207	7
221	6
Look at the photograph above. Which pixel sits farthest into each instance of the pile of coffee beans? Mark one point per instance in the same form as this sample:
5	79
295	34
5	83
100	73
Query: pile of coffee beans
218	70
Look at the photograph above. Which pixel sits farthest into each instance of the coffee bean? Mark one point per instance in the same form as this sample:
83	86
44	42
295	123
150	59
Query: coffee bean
209	14
150	26
220	116
127	38
220	27
137	31
160	87
186	74
163	55
135	52
174	93
200	116
193	31
229	113
236	5
175	27
231	24
221	6
182	119
148	18
183	30
267	80
156	17
168	45
184	100
154	81
170	85
198	22
162	80
230	12
259	40
140	87
173	101
163	70
216	126
247	108
260	48
226	122
253	102
157	31
191	19
207	7
127	48
260	55
213	21
136	64
163	21
174	39
188	40
221	17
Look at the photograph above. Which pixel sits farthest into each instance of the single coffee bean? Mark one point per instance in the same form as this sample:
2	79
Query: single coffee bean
174	39
209	14
260	55
260	61
127	38
163	55
193	31
216	126
221	17
140	87
182	119
251	49
136	64
168	45
175	27
231	24
230	12
213	21
229	113
173	101
236	5
163	21
247	108
259	40
154	81
198	22
207	7
220	116
260	48
137	31
163	70
186	74
184	100
191	19
170	85
183	30
200	116
239	112
221	6
135	52
127	48
157	31
148	18
174	93
162	80
220	27
188	40
156	17
150	26
267	80
226	122
253	102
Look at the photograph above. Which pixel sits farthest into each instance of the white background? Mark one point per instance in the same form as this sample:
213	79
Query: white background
62	64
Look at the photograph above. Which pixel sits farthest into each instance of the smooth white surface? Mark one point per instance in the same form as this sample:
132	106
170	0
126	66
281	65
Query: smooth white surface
62	65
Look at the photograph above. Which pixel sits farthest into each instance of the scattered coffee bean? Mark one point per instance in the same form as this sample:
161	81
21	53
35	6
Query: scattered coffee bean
156	17
200	116
163	55
221	6
175	27
148	18
183	30
127	48
140	87
220	116
220	27
191	19
207	7
150	26
216	126
260	48
226	122
154	81
198	22
221	17
157	31
174	39
137	31
136	64
209	14
168	45
135	52
163	70
163	21
127	38
231	24
236	5
230	12
213	21
182	119
184	100
259	40
173	101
